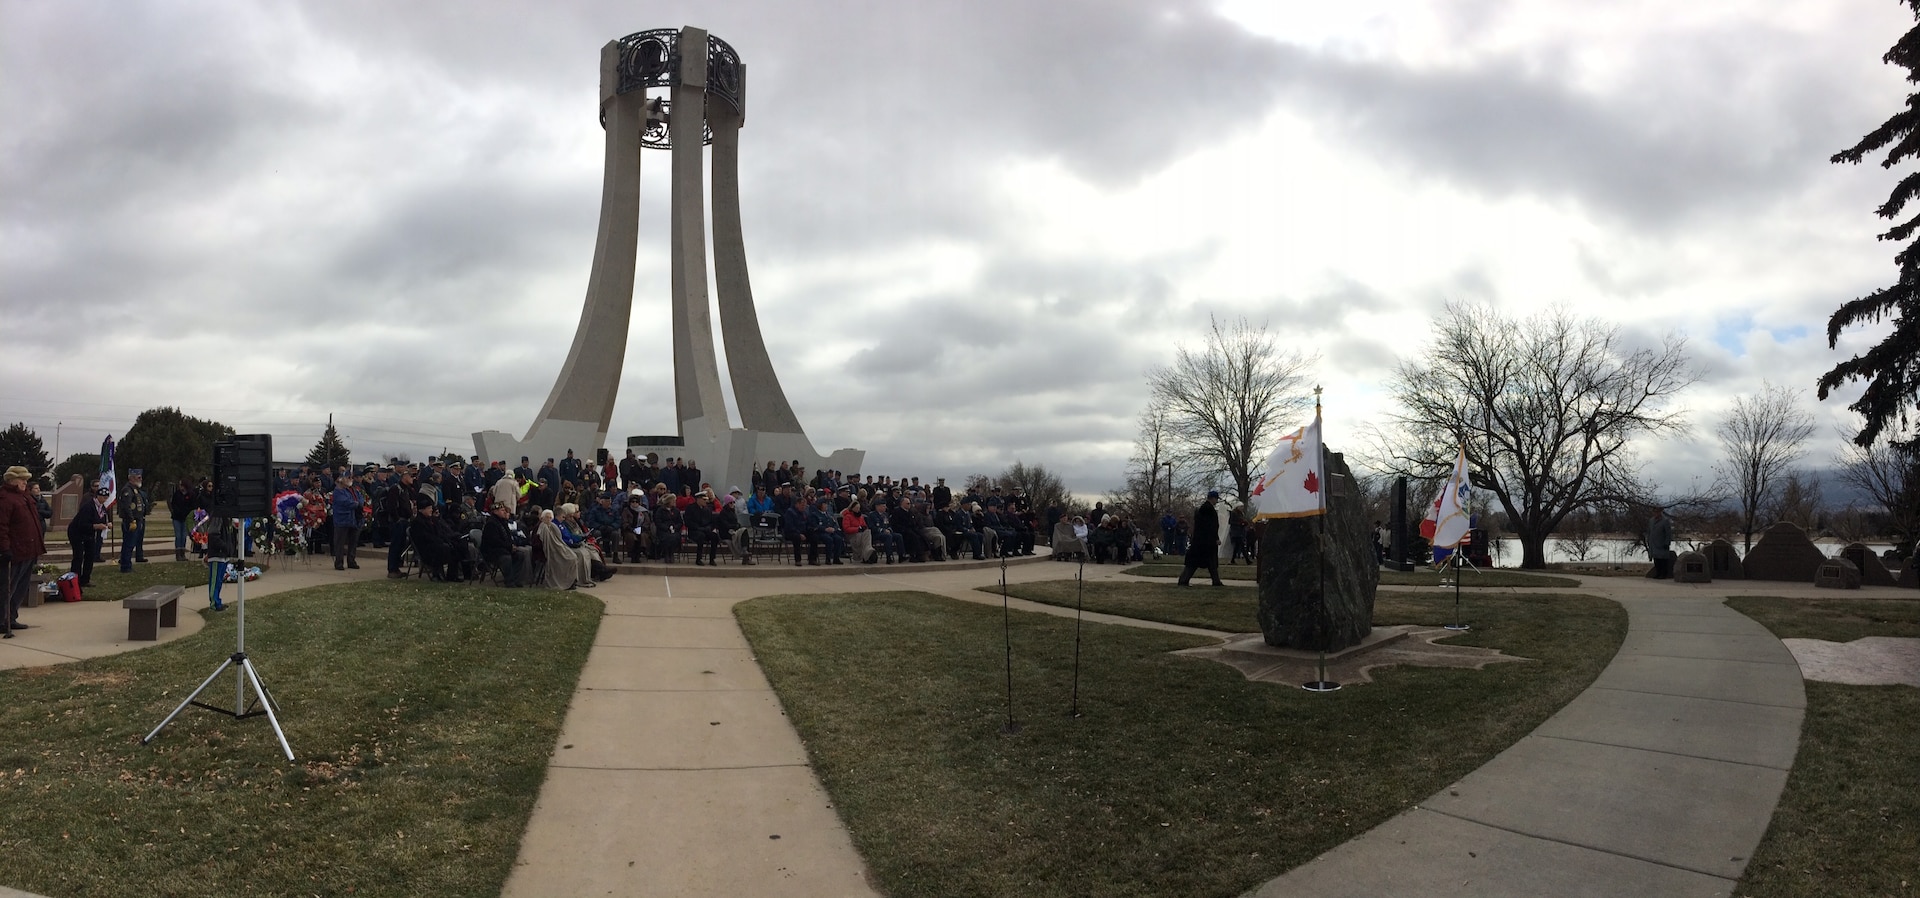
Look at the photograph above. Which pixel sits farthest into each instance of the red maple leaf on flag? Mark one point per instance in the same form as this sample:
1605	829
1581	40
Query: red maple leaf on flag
1260	487
1312	483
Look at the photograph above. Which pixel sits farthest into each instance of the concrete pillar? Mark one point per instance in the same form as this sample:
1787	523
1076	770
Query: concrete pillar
756	388
580	408
696	377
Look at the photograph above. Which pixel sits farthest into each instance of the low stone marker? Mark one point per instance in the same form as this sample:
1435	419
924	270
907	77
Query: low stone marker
1910	575
1692	567
1837	573
1723	561
1873	572
1783	553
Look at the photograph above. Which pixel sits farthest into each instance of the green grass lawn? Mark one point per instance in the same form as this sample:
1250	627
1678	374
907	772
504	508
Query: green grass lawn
1849	821
109	585
422	716
1474	578
1181	778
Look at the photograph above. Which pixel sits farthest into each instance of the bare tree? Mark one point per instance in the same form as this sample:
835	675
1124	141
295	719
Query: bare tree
1157	479
1763	436
1545	407
1798	502
1228	403
1577	537
1889	473
1044	488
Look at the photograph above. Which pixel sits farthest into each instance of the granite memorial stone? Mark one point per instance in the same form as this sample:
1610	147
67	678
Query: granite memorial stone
1296	558
1837	573
1872	571
1783	553
1723	560
1692	567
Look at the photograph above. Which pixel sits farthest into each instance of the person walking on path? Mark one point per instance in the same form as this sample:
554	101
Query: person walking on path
1660	544
1204	549
22	542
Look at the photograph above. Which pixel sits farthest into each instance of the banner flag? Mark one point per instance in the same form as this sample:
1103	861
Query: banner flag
1294	485
1451	518
106	472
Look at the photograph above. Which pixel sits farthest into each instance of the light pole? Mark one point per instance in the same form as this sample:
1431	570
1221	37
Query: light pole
1168	508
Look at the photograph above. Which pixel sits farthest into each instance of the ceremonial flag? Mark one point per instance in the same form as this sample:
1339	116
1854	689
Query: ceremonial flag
106	472
1294	485
1451	520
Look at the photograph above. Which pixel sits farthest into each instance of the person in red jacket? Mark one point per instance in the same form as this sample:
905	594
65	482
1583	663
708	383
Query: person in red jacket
22	542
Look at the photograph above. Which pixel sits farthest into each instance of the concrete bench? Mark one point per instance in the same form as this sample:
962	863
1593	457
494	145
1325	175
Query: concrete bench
150	609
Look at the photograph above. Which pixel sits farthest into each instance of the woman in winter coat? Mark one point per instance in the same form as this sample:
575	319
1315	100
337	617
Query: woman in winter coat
567	567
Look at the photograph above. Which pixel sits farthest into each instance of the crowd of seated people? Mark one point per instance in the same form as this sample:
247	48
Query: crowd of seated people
564	523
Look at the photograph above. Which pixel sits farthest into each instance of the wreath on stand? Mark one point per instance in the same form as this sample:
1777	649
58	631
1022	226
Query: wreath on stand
282	533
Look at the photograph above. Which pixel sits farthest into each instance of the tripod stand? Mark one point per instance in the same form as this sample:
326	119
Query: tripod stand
1454	563
243	674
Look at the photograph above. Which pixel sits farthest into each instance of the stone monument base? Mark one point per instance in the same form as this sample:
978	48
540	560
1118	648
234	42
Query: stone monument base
551	439
1407	644
729	456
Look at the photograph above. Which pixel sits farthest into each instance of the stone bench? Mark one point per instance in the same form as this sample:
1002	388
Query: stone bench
150	609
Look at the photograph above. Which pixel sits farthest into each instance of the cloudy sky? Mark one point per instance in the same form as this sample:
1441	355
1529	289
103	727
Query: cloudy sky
973	226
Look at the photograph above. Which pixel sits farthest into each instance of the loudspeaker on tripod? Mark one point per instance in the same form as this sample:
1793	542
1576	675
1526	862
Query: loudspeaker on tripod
242	477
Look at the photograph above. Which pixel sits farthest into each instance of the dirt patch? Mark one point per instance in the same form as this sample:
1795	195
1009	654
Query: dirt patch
1867	661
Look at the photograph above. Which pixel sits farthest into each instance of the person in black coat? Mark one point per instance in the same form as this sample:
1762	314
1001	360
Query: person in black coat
1204	550
180	508
699	520
82	532
497	547
433	542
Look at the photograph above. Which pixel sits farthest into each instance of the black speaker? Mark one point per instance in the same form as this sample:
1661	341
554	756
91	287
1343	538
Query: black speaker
601	455
242	477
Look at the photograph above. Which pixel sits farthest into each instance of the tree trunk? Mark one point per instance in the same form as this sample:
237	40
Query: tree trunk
1533	552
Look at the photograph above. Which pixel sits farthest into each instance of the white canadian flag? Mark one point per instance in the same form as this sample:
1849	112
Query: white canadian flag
1451	520
1294	485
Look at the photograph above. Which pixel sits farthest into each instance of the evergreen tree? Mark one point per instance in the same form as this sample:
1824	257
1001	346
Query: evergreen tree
1891	369
19	445
330	452
168	444
85	464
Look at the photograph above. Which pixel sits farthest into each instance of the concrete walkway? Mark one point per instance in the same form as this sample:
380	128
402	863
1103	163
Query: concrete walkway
677	771
59	632
1660	779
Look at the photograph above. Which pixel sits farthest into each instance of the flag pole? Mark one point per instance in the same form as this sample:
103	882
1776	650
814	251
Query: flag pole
1079	604
1326	619
1458	556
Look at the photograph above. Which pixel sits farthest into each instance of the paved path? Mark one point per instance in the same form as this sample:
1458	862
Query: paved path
677	771
59	632
1660	779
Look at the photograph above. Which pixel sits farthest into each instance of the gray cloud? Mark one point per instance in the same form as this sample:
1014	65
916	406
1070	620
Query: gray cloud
388	210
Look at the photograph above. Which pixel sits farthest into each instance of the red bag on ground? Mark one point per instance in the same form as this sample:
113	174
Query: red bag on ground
70	588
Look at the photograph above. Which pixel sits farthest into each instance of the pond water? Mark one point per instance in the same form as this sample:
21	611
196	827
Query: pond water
1619	550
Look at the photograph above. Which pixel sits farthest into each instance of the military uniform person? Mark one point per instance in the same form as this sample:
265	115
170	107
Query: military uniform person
134	507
